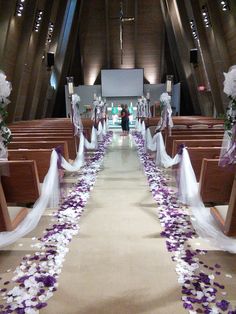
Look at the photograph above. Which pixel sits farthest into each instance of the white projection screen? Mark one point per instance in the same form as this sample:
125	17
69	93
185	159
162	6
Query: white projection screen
122	82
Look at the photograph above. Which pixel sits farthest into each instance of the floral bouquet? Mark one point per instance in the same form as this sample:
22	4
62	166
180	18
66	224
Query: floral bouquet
5	133
76	119
166	112
230	91
165	99
228	149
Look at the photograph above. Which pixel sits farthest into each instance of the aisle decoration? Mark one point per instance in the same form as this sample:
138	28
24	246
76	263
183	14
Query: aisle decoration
202	290
99	109
36	278
166	112
94	140
49	197
76	119
143	110
5	133
228	149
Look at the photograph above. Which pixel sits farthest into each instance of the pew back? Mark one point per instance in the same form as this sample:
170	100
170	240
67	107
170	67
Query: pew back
22	185
215	182
41	157
41	145
195	143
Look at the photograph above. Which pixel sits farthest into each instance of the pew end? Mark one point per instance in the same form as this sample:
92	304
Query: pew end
225	216
212	176
10	217
41	157
22	185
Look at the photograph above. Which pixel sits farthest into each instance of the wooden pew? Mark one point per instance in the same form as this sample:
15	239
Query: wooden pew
170	139
195	143
47	122
215	182
41	145
226	215
55	125
70	141
42	130
197	154
40	156
7	222
22	185
188	121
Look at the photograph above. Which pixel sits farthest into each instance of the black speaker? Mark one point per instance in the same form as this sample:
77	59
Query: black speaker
50	59
193	56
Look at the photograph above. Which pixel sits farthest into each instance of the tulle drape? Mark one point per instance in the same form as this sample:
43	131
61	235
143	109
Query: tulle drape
100	131
79	160
49	197
151	141
162	158
202	220
94	142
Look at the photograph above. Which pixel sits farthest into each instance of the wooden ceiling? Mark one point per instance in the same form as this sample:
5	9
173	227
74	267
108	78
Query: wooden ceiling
99	38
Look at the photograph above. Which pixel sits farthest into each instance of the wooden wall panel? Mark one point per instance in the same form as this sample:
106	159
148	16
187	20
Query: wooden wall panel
228	25
150	39
142	39
93	39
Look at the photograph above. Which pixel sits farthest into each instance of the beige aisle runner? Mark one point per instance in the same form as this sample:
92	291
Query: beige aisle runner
118	264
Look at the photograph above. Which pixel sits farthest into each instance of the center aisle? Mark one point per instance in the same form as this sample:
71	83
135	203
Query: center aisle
118	264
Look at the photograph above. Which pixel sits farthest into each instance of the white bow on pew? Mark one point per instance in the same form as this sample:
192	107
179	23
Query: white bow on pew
79	160
94	141
162	158
100	131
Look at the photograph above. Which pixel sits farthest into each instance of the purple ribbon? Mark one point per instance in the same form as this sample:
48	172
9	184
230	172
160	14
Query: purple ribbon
58	150
180	149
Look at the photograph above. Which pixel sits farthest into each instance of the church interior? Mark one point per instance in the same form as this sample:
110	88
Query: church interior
117	156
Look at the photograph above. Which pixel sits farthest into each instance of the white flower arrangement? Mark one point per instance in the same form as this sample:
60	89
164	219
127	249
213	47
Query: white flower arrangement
165	99
75	99
230	91
5	88
5	133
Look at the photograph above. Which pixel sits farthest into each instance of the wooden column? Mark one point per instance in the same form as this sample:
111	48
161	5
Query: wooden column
7	9
21	65
215	89
47	91
38	66
179	50
63	54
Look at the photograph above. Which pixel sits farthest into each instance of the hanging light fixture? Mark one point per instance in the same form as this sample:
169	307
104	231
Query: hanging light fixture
225	5
38	20
193	28
50	32
19	7
205	16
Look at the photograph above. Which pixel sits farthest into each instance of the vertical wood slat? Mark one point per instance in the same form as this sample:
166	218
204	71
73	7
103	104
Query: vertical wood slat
20	64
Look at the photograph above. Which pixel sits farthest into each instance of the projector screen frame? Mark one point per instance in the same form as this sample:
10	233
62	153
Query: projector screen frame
128	69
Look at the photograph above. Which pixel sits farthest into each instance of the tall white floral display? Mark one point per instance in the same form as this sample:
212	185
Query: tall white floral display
166	112
5	133
228	150
143	110
76	119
